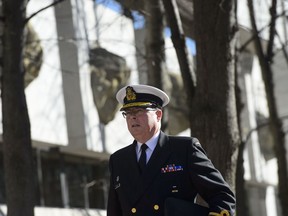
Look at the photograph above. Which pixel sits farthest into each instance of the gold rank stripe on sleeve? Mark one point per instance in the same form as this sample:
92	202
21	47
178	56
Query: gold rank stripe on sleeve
224	212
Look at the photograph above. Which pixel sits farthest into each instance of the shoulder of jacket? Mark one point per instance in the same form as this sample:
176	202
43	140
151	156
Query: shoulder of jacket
186	142
184	139
122	151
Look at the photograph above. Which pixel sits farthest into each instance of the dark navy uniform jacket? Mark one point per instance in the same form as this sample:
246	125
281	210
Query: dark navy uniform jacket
177	168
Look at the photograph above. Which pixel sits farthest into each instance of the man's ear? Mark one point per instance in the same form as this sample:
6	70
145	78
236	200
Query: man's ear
159	114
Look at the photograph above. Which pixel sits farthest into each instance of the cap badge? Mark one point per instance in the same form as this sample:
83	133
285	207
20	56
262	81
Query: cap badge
130	94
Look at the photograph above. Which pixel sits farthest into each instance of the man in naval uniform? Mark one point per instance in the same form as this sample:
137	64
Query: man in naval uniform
157	167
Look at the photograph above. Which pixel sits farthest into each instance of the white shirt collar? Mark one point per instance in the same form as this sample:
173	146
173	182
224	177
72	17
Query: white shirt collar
151	143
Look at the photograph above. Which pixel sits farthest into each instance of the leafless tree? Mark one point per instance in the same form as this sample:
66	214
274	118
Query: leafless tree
154	41
214	113
179	42
17	149
265	58
155	48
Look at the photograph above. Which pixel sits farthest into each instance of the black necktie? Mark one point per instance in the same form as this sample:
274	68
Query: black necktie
142	159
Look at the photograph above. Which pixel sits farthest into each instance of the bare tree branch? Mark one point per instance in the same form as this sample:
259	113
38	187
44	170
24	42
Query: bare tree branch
178	39
42	9
252	38
272	31
283	47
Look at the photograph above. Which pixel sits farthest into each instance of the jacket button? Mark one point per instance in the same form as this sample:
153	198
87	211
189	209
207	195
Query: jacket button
156	207
133	210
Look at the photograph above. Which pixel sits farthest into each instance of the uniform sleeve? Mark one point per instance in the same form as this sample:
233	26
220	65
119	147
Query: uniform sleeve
113	206
210	183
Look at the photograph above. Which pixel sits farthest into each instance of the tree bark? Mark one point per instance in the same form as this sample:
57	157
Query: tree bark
155	50
155	44
17	148
214	114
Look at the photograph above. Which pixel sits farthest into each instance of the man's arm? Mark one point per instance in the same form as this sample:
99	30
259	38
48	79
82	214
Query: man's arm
113	207
210	183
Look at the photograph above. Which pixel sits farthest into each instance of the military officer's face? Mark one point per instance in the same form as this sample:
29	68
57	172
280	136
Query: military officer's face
143	123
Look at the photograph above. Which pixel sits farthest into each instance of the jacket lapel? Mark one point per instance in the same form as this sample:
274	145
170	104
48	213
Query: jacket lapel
132	165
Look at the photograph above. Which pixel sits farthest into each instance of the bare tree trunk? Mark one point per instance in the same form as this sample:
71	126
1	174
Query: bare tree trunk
178	39
214	114
17	148
155	44
242	207
275	121
155	49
